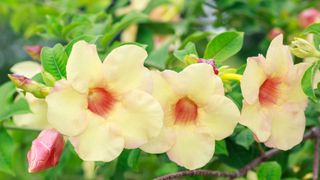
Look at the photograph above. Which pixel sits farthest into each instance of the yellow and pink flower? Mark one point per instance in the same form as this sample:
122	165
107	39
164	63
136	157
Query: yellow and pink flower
104	107
274	103
196	114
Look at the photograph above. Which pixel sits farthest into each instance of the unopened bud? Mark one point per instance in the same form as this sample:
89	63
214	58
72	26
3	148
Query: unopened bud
45	151
48	78
190	59
211	62
303	49
29	85
34	51
274	33
308	16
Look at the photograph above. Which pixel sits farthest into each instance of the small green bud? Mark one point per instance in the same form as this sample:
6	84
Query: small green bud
303	49
48	78
190	59
28	85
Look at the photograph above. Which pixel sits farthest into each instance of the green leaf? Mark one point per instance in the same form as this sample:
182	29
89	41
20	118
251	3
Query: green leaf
133	158
221	148
54	61
244	138
158	58
6	94
6	152
269	171
189	49
313	28
21	106
224	45
307	81
9	107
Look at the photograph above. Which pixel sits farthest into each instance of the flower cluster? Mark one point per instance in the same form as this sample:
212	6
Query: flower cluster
104	107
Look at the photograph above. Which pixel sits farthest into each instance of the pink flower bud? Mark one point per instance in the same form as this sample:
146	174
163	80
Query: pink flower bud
45	151
211	62
274	33
308	17
34	51
37	89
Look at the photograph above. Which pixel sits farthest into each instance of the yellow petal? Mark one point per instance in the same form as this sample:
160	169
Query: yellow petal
253	78
67	110
192	149
161	143
84	68
197	81
124	69
37	119
218	117
162	90
257	120
99	142
26	68
288	124
279	60
293	92
138	116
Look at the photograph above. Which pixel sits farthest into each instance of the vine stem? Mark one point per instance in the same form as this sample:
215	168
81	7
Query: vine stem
312	133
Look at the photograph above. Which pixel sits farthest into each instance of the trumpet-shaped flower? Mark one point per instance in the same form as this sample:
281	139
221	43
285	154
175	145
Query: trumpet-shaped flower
104	107
274	102
196	114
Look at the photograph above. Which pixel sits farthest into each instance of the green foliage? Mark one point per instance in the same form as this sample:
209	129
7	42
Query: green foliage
269	171
244	138
54	61
6	152
221	148
9	106
224	45
189	49
307	81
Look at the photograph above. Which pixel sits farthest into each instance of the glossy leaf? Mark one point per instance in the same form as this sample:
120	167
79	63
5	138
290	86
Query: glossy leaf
54	61
244	138
221	148
223	46
189	49
269	171
307	81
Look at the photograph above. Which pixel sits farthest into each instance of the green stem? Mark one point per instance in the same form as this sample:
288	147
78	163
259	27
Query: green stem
12	127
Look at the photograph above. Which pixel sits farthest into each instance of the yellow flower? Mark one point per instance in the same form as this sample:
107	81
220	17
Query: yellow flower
37	119
274	102
104	107
196	114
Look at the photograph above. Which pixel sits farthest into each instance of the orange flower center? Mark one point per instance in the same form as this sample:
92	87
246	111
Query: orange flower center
269	91
100	101
185	111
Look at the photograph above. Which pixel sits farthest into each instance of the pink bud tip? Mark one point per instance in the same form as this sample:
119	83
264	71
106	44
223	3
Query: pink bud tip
274	33
45	151
211	62
34	51
308	17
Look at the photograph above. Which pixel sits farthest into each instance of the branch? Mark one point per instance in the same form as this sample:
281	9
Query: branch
312	133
